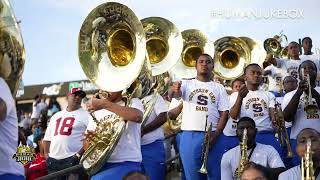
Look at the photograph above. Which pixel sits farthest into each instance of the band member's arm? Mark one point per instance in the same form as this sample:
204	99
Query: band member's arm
221	124
290	110
174	113
175	90
3	110
46	148
236	108
316	96
127	113
270	60
158	122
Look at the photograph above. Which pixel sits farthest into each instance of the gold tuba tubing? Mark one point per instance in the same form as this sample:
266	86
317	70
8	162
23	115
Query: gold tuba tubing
12	55
112	54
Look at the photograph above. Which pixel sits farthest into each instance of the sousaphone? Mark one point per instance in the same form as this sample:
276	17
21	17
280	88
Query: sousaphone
195	43
232	54
12	55
112	53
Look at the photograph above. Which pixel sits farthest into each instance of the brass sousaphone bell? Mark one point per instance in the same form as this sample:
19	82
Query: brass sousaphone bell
195	43
112	53
232	54
164	40
12	55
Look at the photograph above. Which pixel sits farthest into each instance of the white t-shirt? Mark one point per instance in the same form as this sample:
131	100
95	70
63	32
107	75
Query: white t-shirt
128	147
36	109
293	174
275	78
280	100
159	107
174	103
310	57
65	132
262	154
202	99
289	66
231	127
302	120
256	106
9	134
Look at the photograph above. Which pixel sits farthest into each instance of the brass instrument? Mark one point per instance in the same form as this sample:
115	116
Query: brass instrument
12	55
309	107
195	43
244	155
164	42
277	45
112	53
307	171
232	54
281	127
205	148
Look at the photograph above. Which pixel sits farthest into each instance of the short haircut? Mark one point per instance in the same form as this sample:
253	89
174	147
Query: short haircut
237	79
305	129
314	64
246	119
253	64
263	170
289	77
294	42
306	38
131	173
204	54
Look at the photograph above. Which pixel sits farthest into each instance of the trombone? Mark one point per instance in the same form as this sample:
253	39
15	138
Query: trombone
281	127
205	149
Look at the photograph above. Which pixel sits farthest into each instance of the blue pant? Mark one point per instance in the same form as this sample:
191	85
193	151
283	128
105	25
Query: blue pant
116	171
268	138
11	176
153	160
190	151
178	138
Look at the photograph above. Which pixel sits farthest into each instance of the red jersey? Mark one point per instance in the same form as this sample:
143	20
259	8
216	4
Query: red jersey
36	168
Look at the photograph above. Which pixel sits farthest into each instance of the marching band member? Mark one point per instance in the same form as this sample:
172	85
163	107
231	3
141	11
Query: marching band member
295	172
126	156
294	103
287	66
289	84
152	147
253	102
62	141
230	130
307	53
202	99
253	171
262	154
9	168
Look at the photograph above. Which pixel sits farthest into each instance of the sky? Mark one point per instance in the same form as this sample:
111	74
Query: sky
50	28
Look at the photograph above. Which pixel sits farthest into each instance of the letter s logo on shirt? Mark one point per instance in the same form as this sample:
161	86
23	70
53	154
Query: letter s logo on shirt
257	107
202	100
